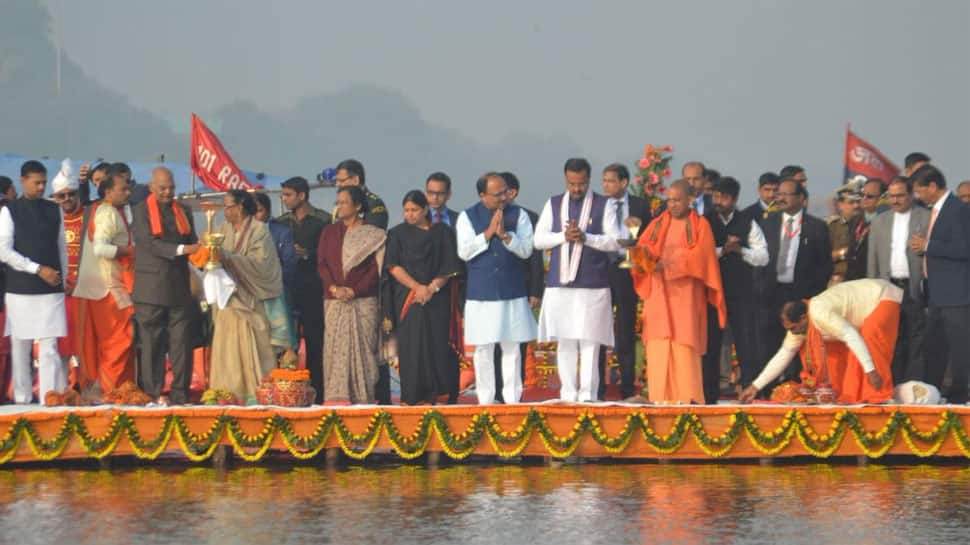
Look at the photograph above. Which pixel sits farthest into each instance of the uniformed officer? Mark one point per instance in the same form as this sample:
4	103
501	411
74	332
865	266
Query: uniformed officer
351	172
840	232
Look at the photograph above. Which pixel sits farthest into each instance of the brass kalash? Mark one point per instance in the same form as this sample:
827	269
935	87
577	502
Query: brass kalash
213	241
635	256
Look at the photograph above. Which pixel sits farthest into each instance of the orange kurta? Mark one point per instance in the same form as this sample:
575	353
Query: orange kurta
844	372
675	303
68	346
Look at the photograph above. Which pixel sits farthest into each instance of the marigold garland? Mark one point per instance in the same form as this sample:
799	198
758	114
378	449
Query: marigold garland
458	444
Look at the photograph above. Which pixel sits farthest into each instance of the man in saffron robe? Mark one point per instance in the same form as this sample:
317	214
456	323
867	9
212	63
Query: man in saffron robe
104	286
677	276
851	331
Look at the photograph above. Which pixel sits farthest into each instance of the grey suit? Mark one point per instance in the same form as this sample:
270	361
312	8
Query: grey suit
880	245
163	302
909	361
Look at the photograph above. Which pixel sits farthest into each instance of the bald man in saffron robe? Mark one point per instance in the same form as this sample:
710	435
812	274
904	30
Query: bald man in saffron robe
677	275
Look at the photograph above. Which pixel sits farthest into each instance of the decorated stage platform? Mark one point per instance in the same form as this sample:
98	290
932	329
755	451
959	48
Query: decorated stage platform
600	431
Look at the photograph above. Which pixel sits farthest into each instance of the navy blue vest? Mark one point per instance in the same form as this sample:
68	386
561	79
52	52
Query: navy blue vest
495	274
594	264
36	225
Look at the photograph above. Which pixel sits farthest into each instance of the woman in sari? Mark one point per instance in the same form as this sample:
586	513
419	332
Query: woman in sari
283	335
241	349
348	259
422	260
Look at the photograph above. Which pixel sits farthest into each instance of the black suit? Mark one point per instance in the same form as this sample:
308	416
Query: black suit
756	212
813	268
742	301
163	302
535	280
452	216
948	293
625	302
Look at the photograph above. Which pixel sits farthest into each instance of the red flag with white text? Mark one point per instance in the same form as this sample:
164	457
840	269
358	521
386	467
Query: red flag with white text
862	158
211	163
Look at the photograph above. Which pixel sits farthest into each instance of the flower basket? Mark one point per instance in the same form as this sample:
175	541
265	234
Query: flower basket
289	393
265	392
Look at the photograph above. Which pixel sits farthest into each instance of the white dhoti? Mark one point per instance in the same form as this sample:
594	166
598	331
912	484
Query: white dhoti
42	318
485	373
580	320
577	313
507	323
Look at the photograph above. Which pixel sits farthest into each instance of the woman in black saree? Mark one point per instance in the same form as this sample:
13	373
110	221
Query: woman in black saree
422	263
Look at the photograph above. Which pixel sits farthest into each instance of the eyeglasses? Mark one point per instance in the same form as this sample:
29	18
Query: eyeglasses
64	196
339	181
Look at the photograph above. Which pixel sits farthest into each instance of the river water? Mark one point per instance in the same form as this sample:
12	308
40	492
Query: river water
489	504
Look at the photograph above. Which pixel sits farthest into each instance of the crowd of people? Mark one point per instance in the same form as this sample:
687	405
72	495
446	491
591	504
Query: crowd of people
109	273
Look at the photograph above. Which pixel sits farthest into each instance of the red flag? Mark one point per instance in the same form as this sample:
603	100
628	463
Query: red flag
863	158
211	163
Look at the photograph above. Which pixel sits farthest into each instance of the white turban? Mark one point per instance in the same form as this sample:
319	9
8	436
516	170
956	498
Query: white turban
66	178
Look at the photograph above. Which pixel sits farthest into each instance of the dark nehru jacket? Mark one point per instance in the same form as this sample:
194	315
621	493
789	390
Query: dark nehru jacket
36	224
495	274
594	264
736	273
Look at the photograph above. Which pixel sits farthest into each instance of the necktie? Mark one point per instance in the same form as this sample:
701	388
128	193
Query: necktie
786	237
619	216
437	216
929	230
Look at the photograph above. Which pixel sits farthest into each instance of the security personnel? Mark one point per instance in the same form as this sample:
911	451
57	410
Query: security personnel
351	172
840	232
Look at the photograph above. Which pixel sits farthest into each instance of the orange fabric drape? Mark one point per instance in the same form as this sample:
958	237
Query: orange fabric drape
155	217
700	255
844	372
673	372
107	352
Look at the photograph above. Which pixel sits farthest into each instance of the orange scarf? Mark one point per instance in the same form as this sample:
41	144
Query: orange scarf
702	257
814	357
658	234
155	217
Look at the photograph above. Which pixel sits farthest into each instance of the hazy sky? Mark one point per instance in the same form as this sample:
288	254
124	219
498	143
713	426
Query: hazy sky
745	86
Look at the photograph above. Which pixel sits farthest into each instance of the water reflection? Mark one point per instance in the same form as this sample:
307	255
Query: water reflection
818	504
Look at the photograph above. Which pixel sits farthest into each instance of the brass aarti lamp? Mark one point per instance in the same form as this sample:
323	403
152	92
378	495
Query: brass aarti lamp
213	241
632	226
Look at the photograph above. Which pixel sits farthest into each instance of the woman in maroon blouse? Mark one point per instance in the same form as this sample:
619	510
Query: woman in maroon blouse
348	258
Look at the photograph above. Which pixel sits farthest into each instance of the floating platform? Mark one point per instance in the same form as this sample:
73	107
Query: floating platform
555	430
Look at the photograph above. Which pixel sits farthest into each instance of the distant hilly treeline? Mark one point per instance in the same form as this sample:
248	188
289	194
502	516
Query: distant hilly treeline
380	127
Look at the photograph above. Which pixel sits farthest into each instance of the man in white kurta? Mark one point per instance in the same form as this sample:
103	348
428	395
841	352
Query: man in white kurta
32	244
857	321
494	239
577	311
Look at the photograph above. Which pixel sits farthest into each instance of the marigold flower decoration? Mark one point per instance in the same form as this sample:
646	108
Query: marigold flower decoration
652	169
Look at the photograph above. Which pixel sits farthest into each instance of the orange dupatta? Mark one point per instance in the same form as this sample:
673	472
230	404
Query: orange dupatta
155	217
